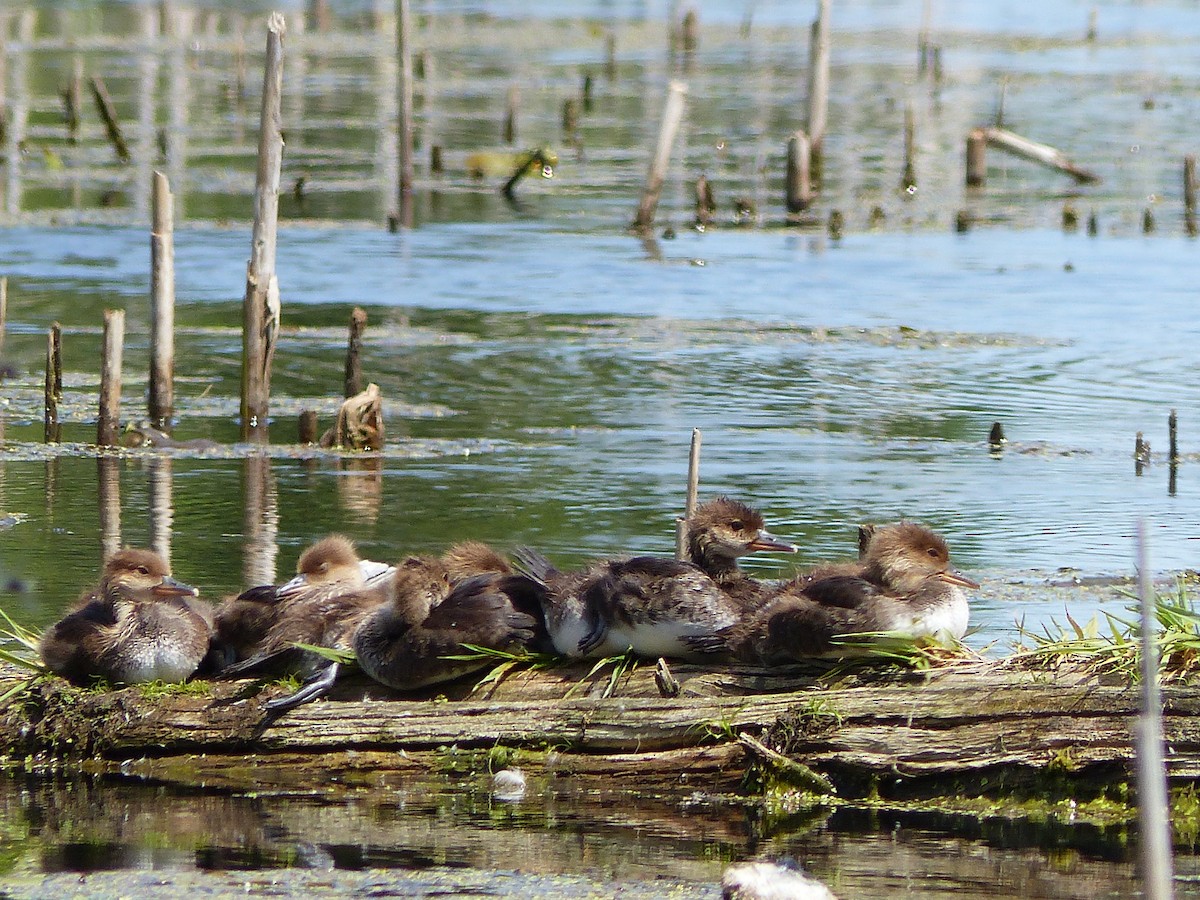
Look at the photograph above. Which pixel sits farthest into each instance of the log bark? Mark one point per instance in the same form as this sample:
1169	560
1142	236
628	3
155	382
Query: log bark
953	729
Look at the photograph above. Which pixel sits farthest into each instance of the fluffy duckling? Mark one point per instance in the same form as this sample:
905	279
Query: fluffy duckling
722	530
138	625
655	607
405	644
903	584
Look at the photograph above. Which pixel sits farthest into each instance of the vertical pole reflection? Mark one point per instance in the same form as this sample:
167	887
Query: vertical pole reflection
162	506
260	528
360	488
108	474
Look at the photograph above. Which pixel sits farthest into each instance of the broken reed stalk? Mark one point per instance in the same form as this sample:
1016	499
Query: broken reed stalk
1189	194
672	115
404	215
1040	153
798	184
818	78
353	381
1172	428
52	430
108	424
693	496
1154	813
104	106
161	406
73	99
260	309
510	115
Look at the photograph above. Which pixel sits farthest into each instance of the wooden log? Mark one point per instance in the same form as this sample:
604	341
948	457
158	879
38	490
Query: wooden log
352	383
52	427
897	736
818	78
1039	153
404	201
672	115
161	405
104	106
798	183
108	425
261	308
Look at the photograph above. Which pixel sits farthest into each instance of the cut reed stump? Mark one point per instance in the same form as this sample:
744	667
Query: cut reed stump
968	729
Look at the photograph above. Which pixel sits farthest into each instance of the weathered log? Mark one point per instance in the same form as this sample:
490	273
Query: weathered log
972	727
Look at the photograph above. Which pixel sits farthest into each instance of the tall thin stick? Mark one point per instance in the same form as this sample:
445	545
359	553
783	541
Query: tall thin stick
3	311
672	115
104	106
1154	814
162	305
260	309
693	496
909	179
818	77
405	125
108	426
52	429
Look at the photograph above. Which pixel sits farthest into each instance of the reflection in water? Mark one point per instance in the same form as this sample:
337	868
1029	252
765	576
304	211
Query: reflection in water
360	487
162	510
108	493
260	529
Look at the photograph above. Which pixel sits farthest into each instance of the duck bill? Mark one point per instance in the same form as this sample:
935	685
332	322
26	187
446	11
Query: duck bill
297	584
169	587
953	576
770	543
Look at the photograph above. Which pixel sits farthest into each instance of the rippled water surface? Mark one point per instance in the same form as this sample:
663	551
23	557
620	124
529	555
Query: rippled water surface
543	369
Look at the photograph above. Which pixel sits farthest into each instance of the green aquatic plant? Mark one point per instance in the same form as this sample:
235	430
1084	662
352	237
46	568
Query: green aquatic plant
622	664
1112	647
506	661
902	650
342	657
24	656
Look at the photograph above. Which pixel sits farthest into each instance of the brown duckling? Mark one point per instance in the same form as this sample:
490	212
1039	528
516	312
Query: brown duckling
722	530
406	644
652	606
904	584
138	625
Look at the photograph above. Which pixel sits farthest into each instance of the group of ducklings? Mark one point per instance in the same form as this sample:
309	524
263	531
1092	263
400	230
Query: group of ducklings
407	624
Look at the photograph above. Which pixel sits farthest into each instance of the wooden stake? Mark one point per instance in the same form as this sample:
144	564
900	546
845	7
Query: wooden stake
1141	454
570	120
405	127
909	180
309	429
798	183
672	115
108	427
818	77
1172	428
318	14
1189	194
706	204
261	308
1154	812
690	31
610	57
3	311
162	305
585	93
52	430
976	157
353	381
510	115
104	106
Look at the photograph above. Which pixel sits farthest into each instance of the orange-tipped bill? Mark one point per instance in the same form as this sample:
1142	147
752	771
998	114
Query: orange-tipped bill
169	587
953	576
769	542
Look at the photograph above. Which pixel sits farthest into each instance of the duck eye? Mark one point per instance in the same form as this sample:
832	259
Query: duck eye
736	525
142	570
932	551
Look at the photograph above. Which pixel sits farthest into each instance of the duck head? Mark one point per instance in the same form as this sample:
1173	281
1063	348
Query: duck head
140	576
905	555
722	530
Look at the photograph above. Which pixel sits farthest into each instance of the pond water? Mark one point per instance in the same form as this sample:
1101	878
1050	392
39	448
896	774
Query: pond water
543	370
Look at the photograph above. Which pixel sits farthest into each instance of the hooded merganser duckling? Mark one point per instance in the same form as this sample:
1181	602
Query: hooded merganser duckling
138	625
327	569
406	644
722	530
321	606
654	607
904	584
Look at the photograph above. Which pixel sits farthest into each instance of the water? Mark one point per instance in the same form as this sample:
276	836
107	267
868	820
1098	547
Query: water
543	369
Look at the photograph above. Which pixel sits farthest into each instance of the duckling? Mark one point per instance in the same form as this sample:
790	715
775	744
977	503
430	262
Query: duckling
321	606
903	584
138	625
722	530
327	569
406	644
655	607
